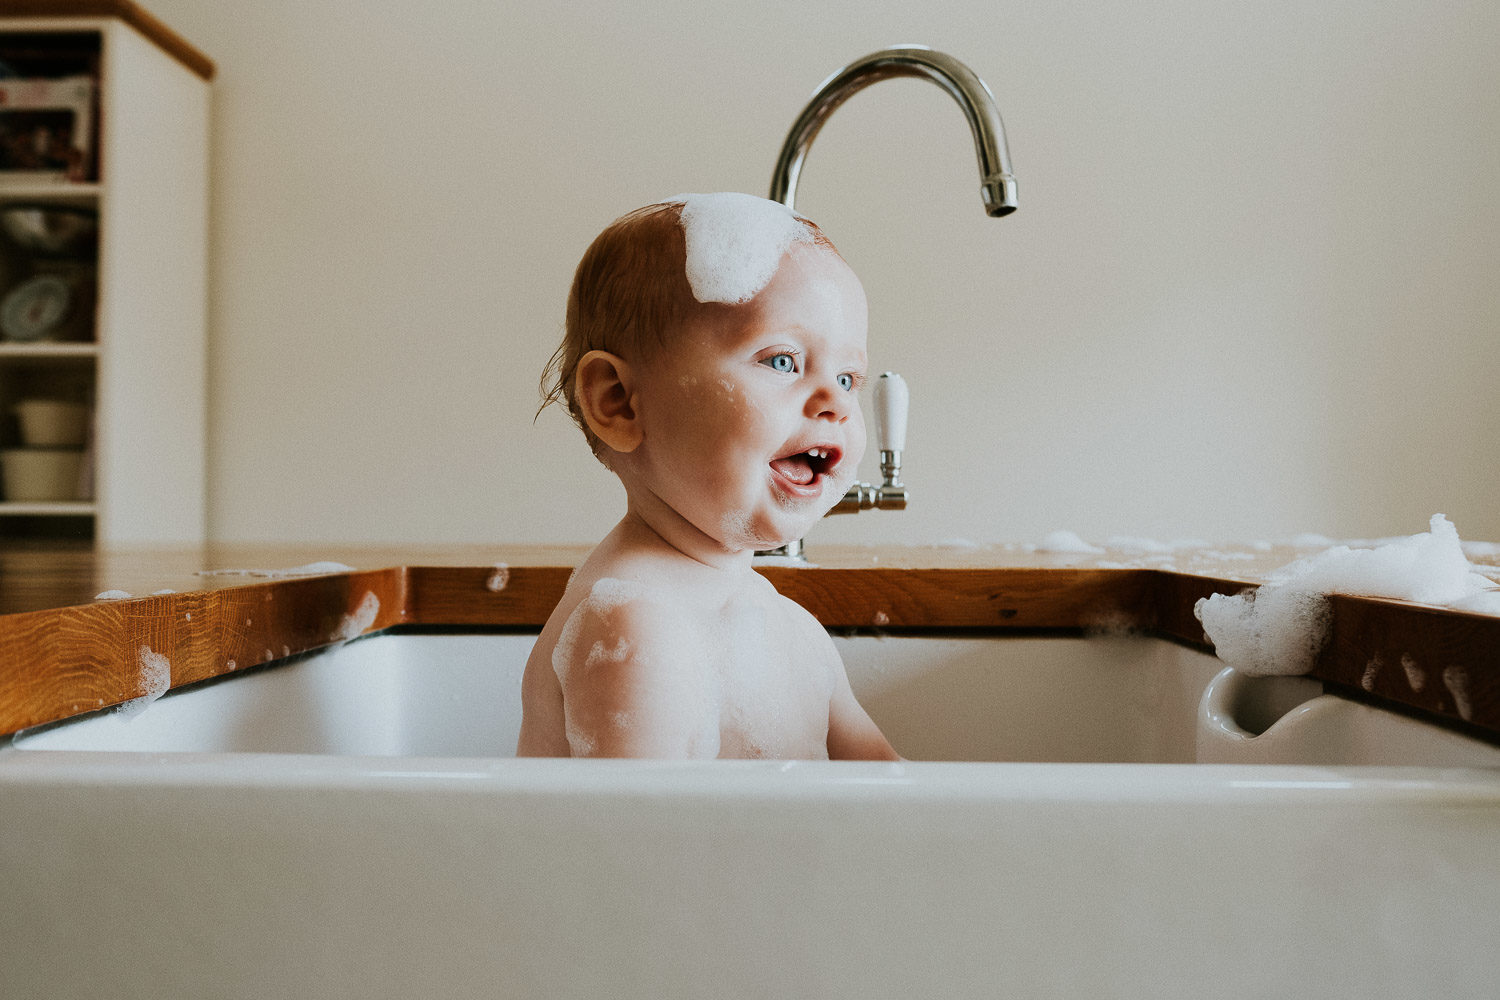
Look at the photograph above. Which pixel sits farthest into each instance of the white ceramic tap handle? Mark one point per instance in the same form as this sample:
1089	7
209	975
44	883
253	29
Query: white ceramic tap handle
890	412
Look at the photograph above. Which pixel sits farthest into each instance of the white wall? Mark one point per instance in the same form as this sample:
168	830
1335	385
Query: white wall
1250	290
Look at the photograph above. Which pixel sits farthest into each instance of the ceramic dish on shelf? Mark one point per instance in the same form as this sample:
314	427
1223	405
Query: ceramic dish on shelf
51	230
52	423
46	307
30	475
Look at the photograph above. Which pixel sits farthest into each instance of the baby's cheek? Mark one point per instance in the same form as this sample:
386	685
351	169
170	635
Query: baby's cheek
857	442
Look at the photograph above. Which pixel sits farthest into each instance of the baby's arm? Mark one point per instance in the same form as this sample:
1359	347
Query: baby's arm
852	734
628	689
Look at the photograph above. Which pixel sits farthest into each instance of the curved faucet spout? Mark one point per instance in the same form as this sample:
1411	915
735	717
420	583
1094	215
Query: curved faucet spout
997	185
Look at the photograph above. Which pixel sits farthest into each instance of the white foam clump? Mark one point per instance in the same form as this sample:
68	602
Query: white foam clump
1310	540
113	595
1067	541
311	569
1220	555
735	243
1281	627
156	678
1130	543
352	626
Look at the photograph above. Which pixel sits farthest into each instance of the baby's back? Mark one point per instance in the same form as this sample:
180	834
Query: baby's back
627	667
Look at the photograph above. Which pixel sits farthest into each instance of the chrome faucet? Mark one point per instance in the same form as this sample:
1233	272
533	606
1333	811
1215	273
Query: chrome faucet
997	188
890	438
997	185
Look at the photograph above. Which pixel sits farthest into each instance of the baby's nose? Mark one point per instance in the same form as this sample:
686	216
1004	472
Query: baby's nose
830	402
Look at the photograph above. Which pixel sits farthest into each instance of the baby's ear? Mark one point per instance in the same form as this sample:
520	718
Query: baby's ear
603	388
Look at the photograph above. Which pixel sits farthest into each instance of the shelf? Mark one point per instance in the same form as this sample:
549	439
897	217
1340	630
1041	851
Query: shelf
12	350
88	15
48	508
141	371
50	191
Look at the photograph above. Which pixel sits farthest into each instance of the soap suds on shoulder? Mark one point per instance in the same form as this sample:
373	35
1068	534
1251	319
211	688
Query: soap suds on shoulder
606	595
735	243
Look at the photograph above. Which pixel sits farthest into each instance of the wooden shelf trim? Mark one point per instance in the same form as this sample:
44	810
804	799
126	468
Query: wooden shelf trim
59	663
48	349
68	192
48	508
132	14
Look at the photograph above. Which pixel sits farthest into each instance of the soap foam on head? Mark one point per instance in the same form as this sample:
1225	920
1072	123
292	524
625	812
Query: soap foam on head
735	242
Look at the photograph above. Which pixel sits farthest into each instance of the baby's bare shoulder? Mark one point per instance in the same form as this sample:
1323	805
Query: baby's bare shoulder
628	664
796	619
784	606
623	623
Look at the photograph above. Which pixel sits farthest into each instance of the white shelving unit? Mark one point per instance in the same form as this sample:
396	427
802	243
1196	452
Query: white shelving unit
23	365
144	369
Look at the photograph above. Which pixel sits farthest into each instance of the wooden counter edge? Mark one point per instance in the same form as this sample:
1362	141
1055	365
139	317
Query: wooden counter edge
1441	664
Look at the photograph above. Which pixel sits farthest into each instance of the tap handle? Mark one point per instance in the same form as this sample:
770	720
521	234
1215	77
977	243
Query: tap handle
890	412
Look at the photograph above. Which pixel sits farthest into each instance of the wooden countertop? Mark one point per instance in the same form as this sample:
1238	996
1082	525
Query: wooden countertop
221	608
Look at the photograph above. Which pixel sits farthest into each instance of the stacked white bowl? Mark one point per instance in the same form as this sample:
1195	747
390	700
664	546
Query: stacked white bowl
47	465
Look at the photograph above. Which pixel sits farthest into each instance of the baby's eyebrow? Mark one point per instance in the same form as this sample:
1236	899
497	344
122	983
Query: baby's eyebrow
796	329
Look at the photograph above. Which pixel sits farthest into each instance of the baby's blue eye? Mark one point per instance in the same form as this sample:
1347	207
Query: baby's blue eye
781	362
846	381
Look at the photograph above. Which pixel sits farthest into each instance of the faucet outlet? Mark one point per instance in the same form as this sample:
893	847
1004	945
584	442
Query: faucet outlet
997	184
997	190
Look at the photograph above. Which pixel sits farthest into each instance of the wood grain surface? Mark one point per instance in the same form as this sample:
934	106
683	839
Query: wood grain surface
64	653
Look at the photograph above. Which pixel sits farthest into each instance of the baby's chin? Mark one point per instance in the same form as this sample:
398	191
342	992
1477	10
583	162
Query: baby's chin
740	530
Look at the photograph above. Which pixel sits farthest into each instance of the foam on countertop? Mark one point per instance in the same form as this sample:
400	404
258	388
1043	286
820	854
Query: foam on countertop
311	569
1067	541
357	622
1280	627
156	679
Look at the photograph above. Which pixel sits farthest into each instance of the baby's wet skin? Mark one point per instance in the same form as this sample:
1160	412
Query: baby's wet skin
654	671
751	422
737	434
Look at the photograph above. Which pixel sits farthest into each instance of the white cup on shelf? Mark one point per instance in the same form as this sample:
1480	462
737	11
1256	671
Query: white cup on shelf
39	475
52	423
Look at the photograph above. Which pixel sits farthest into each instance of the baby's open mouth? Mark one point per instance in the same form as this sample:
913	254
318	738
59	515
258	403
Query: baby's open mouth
804	467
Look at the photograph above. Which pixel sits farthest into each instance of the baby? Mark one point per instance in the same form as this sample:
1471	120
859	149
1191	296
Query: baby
713	356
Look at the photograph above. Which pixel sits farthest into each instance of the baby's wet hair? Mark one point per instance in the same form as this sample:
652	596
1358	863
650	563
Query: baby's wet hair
630	296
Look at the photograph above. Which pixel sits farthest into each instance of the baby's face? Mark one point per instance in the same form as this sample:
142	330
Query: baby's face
751	418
